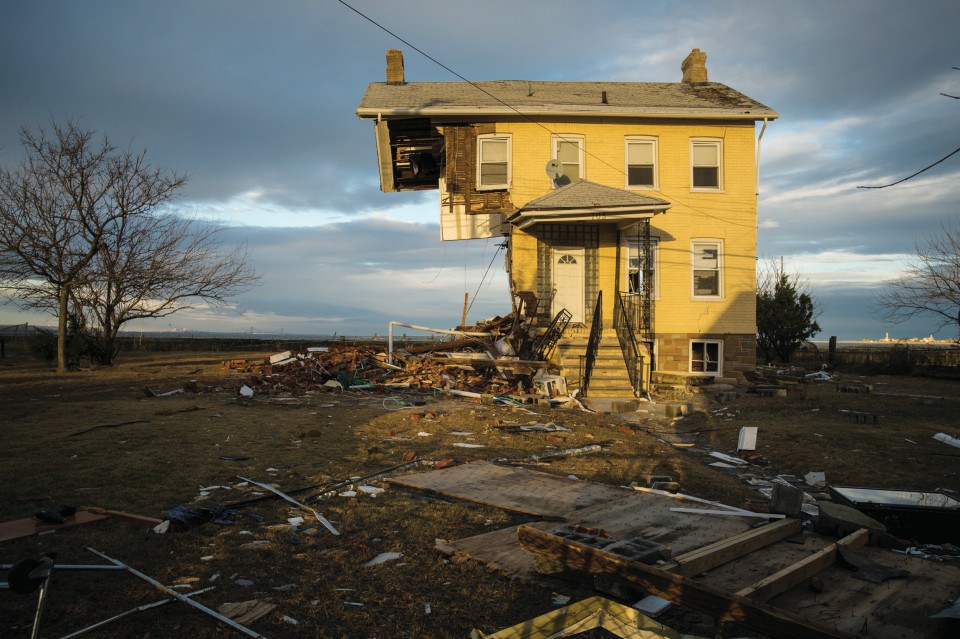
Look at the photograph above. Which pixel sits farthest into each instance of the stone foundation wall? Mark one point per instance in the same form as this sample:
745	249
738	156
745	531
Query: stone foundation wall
739	352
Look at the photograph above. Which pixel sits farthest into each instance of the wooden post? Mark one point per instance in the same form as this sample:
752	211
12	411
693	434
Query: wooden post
463	319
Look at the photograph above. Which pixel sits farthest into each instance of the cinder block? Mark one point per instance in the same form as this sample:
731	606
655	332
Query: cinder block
786	499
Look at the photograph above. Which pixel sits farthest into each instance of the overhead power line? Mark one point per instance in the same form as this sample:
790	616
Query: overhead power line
954	152
525	116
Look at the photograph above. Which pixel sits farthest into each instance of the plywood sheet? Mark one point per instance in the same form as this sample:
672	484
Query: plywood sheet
622	513
517	489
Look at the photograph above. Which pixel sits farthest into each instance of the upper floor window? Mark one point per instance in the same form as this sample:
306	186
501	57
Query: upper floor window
706	164
707	268
493	162
569	150
641	163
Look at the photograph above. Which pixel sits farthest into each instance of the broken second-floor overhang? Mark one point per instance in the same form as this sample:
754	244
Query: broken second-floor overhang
586	201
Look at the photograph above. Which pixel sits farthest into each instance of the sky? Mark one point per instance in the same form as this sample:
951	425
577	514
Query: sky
255	102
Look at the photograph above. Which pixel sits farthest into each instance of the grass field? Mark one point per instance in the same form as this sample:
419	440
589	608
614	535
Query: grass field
97	438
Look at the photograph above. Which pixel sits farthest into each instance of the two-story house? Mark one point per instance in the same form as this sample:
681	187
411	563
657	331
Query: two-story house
629	208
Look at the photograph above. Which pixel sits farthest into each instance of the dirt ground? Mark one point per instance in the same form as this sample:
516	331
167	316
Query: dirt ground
99	438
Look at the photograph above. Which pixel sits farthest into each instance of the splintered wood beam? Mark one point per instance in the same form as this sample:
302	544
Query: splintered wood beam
783	580
703	559
725	606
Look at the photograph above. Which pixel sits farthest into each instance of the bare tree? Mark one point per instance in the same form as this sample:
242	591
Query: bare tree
82	239
931	283
152	266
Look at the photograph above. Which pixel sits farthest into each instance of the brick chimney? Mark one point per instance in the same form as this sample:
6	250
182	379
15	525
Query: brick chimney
395	66
694	67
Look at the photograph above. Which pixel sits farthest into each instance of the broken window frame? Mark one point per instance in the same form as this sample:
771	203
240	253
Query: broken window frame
706	357
706	174
701	269
490	140
635	142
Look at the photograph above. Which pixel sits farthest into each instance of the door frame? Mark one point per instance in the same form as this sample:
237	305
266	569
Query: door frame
581	254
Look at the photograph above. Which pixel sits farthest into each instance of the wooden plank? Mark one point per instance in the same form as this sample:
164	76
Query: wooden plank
676	588
703	559
30	526
727	513
783	580
384	156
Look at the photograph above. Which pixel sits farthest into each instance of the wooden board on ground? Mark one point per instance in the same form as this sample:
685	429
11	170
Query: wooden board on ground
511	488
28	526
622	513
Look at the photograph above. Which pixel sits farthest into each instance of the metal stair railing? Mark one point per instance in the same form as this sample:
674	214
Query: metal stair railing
627	337
593	344
545	343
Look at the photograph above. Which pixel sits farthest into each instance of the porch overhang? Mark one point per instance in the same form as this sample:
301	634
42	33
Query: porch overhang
622	217
585	201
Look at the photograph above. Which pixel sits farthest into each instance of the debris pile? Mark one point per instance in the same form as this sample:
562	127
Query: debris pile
470	364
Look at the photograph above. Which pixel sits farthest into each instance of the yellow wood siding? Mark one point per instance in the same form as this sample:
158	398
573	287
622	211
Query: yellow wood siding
728	215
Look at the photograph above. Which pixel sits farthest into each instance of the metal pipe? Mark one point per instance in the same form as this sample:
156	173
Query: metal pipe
176	595
759	138
282	494
442	331
132	611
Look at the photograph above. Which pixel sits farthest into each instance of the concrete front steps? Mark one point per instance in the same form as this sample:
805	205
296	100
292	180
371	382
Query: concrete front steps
610	378
667	384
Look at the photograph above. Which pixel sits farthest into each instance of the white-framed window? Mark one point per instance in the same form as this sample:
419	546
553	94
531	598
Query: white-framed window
707	268
569	150
706	164
706	356
634	266
641	162
493	162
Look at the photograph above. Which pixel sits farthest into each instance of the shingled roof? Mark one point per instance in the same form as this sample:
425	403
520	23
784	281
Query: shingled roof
588	201
515	98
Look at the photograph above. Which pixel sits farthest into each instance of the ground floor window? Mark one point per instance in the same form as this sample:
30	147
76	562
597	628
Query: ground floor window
706	356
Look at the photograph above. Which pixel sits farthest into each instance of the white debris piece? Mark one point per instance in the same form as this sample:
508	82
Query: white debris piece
383	558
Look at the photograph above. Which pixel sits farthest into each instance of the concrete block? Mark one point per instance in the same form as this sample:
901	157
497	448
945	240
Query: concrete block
786	499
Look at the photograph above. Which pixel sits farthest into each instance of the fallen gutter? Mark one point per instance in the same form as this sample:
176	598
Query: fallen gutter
442	331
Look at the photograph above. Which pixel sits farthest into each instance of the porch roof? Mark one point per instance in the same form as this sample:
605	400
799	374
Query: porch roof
585	201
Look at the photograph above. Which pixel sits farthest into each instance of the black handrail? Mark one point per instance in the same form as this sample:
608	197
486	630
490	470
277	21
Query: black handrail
627	336
593	344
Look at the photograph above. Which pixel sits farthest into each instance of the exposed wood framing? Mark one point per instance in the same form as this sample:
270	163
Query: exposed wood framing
591	613
460	142
783	580
708	557
676	588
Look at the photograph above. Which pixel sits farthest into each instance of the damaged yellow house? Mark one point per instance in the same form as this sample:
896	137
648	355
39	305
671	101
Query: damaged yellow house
629	208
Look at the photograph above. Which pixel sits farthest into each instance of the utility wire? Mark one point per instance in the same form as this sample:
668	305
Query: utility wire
482	279
523	115
954	152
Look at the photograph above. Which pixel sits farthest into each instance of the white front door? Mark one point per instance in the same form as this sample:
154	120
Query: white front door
568	282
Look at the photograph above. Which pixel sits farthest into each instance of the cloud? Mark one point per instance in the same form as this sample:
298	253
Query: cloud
256	104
